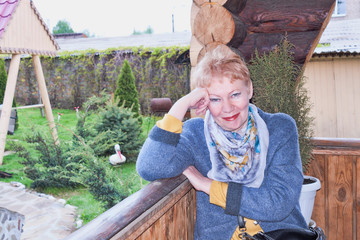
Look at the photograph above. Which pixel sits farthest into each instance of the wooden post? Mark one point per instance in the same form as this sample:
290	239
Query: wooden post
45	97
8	100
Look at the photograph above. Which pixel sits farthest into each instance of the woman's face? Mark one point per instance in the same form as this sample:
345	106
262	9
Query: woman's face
229	102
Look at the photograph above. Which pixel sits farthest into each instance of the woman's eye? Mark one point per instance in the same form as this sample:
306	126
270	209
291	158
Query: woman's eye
214	99
236	94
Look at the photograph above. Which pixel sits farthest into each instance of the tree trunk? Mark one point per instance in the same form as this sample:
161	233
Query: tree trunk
259	24
195	48
234	6
194	11
214	23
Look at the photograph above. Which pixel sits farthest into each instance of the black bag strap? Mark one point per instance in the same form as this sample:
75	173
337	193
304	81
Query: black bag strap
283	234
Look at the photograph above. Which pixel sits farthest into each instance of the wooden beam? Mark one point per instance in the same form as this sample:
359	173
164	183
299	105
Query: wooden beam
8	100
45	97
29	106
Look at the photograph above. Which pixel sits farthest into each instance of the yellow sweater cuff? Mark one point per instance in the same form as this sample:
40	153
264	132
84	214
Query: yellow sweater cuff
170	123
218	191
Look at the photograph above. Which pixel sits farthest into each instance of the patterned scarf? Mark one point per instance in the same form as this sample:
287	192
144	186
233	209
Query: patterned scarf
236	158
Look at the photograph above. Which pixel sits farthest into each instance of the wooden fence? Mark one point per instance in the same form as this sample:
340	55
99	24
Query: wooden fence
337	205
165	209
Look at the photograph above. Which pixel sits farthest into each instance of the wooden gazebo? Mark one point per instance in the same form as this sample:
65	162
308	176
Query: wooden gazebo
22	31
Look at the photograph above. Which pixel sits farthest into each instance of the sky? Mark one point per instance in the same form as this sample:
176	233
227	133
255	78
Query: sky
112	18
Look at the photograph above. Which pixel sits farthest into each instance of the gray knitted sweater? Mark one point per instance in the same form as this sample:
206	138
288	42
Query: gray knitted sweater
275	205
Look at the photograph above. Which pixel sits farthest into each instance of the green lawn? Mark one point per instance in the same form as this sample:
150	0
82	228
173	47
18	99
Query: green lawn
30	119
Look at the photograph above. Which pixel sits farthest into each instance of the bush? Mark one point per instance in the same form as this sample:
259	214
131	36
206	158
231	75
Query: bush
53	165
279	87
126	92
70	167
113	125
117	125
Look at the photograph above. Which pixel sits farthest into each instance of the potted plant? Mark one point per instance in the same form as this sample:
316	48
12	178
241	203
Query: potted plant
279	87
307	197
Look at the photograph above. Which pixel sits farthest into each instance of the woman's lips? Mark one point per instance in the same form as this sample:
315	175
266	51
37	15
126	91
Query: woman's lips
232	118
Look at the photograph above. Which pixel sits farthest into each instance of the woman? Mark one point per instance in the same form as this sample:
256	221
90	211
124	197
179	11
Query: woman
241	160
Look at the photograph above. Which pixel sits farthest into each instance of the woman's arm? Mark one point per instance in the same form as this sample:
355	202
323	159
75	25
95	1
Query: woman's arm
167	150
198	181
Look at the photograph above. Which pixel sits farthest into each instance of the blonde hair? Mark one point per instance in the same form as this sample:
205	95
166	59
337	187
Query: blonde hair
221	61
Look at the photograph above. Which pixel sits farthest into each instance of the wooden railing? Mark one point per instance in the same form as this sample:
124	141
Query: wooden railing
164	209
337	205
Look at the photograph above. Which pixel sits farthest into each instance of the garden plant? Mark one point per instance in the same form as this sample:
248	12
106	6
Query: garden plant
78	165
279	87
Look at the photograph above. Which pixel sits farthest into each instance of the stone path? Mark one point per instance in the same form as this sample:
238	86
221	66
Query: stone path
45	216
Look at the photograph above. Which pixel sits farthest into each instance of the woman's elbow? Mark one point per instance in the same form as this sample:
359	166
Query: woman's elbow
145	172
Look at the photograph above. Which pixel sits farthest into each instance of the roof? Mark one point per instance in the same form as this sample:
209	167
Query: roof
34	37
6	10
340	37
69	35
145	40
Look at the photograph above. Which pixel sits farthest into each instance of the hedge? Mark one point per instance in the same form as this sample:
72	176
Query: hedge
73	77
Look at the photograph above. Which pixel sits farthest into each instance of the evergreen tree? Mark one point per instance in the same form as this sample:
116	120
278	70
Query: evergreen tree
126	92
279	87
3	78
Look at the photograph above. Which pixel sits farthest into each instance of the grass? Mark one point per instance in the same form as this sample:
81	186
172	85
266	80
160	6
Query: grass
30	119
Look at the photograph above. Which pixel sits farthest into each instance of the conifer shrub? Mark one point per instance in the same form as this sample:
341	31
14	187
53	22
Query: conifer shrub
52	165
113	125
71	166
126	92
279	87
117	125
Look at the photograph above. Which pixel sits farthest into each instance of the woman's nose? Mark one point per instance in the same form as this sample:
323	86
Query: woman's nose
227	106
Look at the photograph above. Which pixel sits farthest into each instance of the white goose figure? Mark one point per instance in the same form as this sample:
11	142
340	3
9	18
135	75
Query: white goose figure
117	158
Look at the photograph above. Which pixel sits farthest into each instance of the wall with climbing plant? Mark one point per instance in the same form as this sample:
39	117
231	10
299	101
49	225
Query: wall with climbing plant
73	77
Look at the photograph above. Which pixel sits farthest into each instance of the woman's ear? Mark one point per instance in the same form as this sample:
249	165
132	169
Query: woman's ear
250	88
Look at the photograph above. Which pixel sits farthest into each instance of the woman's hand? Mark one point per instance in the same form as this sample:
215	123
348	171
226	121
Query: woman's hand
198	181
197	99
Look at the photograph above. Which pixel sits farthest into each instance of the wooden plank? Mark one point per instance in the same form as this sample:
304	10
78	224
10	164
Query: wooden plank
357	201
146	235
336	152
336	143
45	97
265	42
158	232
170	224
322	88
29	106
340	185
285	15
7	103
190	214
318	169
356	96
180	219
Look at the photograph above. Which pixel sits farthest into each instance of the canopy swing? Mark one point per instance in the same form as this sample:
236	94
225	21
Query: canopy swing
22	31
